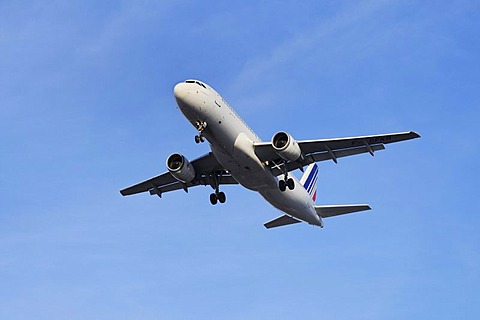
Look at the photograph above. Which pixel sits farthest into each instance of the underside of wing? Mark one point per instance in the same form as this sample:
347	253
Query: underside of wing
314	146
204	180
208	172
328	149
161	180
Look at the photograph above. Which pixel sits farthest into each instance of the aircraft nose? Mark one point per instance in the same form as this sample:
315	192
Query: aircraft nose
180	92
183	94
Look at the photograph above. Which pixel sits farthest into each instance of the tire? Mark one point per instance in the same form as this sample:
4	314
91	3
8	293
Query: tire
221	197
282	186
291	184
197	139
213	198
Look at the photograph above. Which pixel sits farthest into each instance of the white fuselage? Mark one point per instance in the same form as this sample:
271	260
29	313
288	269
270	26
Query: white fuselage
231	141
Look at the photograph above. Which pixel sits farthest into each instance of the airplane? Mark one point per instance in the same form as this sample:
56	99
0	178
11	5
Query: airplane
239	156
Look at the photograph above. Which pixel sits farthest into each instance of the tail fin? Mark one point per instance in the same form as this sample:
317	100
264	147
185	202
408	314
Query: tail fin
309	180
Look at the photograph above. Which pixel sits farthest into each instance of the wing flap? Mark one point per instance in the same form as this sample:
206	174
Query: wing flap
345	152
336	210
323	156
281	221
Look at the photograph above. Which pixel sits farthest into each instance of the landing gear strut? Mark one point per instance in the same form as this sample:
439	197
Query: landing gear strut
200	125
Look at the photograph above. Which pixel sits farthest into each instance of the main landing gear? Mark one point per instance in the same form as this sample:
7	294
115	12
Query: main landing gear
283	184
217	196
200	125
286	182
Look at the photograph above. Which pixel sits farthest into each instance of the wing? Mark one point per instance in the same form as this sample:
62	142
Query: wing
330	149
208	172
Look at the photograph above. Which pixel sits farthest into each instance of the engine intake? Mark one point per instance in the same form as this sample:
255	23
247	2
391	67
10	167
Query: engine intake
286	147
180	168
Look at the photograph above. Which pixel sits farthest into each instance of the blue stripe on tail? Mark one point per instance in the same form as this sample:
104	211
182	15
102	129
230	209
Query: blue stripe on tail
311	177
309	180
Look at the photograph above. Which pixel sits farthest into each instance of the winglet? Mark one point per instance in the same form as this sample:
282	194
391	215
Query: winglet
414	134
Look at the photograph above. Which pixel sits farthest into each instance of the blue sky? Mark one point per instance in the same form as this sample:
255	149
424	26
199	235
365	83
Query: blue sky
87	108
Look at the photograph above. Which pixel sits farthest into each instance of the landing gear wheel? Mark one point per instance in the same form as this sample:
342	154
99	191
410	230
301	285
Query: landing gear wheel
221	197
199	138
290	184
281	185
213	198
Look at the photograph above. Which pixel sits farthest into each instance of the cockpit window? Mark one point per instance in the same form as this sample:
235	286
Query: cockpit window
197	82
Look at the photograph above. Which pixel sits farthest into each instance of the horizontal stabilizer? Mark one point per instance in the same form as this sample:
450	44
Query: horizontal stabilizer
336	210
281	221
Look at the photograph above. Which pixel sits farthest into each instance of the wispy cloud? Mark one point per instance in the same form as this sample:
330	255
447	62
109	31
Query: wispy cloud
126	21
327	36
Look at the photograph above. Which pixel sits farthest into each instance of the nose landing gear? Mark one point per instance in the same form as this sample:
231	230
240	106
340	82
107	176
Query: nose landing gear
200	126
199	138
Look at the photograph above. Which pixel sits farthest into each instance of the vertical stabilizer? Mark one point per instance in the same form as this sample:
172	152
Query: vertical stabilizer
309	180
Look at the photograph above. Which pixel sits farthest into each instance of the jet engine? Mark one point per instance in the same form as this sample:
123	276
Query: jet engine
180	168
286	147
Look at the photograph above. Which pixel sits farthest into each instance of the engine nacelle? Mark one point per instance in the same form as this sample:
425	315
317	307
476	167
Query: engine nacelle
286	147
180	168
